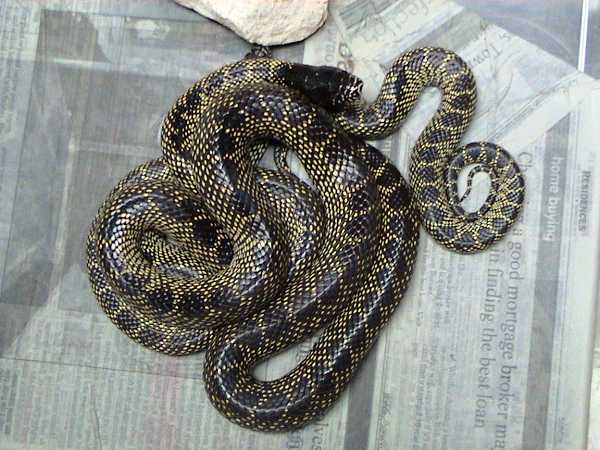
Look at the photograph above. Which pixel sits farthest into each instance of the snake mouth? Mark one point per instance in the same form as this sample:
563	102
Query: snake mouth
353	93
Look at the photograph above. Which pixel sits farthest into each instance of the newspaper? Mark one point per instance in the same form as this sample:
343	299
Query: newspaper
488	351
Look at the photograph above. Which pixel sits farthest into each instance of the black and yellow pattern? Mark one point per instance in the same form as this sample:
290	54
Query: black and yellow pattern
203	250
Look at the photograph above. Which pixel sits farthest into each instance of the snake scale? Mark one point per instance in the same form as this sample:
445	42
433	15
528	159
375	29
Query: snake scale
204	250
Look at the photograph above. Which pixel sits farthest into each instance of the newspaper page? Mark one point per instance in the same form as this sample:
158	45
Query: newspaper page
487	351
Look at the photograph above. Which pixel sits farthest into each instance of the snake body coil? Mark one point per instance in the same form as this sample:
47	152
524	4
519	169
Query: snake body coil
204	250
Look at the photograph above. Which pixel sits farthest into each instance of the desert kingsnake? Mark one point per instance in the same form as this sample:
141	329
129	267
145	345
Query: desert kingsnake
204	250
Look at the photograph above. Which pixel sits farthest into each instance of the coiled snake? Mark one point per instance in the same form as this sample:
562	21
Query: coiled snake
204	250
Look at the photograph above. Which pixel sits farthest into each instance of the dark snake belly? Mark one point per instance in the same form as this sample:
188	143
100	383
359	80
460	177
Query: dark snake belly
203	250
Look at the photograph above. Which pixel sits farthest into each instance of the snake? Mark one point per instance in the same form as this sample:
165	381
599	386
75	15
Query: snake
205	250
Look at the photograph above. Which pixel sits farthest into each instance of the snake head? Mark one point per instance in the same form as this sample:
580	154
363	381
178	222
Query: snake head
334	89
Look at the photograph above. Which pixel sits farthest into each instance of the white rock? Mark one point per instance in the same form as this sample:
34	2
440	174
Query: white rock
266	22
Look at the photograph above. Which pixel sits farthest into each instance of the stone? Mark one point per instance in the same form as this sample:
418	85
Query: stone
265	22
